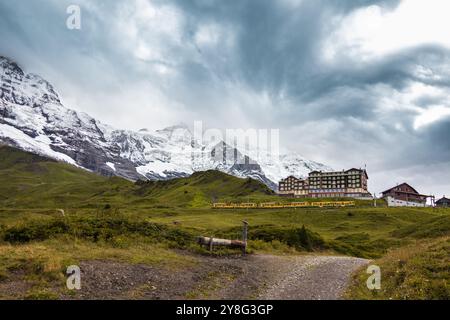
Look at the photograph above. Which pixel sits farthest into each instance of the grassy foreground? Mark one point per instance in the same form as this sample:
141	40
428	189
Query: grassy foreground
419	271
53	215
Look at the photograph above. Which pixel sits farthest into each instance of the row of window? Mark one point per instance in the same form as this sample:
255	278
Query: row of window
335	178
323	185
323	188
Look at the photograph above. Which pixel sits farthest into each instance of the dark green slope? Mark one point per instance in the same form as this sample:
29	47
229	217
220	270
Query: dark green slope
202	188
31	181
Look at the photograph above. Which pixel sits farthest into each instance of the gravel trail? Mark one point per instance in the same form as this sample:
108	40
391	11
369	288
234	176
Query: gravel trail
312	278
255	277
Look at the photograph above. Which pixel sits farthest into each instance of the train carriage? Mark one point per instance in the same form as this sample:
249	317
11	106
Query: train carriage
276	205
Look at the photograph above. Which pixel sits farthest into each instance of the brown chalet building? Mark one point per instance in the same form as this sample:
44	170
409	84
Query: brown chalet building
339	184
443	203
293	187
404	195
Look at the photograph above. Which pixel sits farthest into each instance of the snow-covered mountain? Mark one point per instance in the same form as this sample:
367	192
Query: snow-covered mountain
33	118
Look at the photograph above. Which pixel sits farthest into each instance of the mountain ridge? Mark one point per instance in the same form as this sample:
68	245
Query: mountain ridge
33	118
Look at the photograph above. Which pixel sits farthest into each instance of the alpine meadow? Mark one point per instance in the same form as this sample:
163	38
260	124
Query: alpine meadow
224	158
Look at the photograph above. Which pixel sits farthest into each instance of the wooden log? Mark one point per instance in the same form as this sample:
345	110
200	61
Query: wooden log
210	241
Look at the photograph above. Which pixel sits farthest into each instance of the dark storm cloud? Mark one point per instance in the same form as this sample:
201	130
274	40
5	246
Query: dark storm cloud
344	90
279	44
277	50
434	146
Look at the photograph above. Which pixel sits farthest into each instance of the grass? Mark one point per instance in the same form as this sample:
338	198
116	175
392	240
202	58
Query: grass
156	223
30	181
363	232
42	265
366	232
419	271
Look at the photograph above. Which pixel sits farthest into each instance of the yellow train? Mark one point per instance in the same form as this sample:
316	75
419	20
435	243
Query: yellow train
276	205
235	205
333	204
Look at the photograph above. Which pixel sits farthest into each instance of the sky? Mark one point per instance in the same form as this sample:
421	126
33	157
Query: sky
349	83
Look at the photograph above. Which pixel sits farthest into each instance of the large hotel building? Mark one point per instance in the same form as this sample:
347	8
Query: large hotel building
340	184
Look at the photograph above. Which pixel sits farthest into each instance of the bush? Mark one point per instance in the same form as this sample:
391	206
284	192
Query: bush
304	238
97	230
298	238
35	231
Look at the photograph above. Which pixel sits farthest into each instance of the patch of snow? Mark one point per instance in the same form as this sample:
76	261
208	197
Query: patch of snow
38	145
161	169
111	165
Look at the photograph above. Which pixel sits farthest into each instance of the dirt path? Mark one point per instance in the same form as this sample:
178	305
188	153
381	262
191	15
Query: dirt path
252	277
312	278
263	277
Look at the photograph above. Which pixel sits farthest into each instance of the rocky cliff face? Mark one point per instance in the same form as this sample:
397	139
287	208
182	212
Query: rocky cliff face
33	118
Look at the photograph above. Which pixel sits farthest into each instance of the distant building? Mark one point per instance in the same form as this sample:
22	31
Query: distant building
404	195
340	184
293	187
443	203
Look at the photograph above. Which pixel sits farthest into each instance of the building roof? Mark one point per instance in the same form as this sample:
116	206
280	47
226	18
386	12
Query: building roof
400	185
444	199
406	192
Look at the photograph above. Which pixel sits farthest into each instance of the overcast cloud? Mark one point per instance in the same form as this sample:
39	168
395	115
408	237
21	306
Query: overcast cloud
349	83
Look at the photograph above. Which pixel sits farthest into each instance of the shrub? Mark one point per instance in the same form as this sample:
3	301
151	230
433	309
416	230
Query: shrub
35	231
304	238
299	238
95	230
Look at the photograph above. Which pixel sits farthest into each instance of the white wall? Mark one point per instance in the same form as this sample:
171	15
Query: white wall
400	203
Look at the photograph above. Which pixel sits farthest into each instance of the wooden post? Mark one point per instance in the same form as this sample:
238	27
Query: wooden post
244	236
211	244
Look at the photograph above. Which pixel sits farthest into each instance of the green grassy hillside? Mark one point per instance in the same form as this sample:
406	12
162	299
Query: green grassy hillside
201	189
157	222
419	271
31	181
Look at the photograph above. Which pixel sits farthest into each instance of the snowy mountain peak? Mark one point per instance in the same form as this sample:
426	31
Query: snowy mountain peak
10	66
33	118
